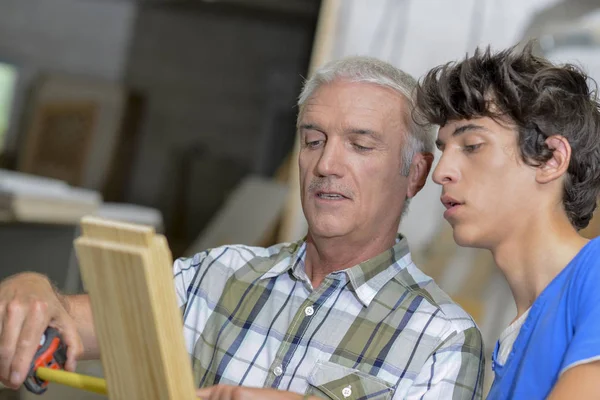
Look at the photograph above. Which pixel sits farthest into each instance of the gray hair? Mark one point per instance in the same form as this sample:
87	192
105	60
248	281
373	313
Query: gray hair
419	138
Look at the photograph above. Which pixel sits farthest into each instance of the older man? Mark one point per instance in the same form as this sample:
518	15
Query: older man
343	313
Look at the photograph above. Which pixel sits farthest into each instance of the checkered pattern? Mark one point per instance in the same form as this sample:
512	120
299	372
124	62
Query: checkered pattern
379	330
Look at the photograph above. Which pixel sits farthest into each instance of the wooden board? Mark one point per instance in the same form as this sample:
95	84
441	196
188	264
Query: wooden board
29	198
126	270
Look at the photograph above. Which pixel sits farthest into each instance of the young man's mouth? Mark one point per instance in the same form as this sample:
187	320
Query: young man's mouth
451	204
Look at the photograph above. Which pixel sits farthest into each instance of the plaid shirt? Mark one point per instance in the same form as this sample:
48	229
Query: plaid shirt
379	330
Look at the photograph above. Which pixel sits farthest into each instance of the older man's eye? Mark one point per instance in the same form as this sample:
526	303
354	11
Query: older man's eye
314	143
361	148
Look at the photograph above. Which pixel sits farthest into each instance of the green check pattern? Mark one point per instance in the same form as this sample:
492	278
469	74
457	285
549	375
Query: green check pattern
379	330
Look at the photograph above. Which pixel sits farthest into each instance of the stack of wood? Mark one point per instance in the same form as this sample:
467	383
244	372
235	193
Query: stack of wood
29	198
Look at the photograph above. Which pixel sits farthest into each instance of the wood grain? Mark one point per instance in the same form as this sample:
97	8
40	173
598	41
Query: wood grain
126	270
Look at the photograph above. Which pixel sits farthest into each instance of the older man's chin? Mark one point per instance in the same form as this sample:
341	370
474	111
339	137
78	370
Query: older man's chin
325	230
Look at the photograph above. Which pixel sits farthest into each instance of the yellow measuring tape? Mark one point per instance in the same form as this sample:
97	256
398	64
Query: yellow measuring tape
74	380
78	381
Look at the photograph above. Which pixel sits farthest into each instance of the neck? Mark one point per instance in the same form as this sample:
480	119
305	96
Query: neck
327	255
534	254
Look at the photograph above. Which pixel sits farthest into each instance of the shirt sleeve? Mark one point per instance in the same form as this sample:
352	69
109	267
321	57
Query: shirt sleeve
184	271
585	309
454	370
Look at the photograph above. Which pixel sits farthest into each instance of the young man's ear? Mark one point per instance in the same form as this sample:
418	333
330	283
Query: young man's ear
558	164
419	170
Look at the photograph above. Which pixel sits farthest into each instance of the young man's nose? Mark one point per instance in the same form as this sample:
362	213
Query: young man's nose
445	171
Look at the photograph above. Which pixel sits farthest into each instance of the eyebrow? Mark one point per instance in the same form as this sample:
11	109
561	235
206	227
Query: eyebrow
358	131
363	132
308	127
460	130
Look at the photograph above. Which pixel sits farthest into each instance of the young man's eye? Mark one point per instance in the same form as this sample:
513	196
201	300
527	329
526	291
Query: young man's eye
472	147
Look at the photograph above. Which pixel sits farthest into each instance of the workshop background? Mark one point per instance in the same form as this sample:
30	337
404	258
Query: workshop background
180	114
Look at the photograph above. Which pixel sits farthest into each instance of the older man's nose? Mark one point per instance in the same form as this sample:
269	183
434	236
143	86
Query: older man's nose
330	161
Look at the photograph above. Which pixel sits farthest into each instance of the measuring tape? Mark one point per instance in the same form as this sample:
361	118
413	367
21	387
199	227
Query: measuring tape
48	366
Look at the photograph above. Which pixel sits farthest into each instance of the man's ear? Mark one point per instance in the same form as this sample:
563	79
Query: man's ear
419	170
558	164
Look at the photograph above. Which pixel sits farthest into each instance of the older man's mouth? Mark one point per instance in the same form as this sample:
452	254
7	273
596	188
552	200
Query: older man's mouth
332	196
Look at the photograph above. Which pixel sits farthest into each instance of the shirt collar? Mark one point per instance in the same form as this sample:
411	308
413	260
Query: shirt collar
366	279
292	256
369	277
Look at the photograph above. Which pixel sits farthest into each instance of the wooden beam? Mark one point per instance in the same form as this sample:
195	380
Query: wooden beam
126	270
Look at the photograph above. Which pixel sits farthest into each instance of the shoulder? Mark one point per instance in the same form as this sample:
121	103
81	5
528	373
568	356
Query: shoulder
231	258
577	285
455	335
587	261
455	318
207	273
580	277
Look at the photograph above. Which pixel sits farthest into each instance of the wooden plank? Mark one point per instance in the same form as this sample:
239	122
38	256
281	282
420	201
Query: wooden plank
124	233
126	270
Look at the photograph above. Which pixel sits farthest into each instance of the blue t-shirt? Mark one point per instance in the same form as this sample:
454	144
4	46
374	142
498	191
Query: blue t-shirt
561	331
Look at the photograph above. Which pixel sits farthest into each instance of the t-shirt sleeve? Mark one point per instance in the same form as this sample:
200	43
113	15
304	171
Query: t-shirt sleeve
585	311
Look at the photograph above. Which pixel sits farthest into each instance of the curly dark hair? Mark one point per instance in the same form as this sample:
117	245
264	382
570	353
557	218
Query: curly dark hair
539	98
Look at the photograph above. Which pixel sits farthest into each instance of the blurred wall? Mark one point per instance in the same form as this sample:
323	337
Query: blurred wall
219	87
81	37
75	36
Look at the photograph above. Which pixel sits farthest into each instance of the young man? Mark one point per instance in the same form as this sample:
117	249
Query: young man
520	175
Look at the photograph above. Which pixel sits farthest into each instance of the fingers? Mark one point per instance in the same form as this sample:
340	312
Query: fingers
218	392
33	328
27	304
205	393
227	392
74	345
14	316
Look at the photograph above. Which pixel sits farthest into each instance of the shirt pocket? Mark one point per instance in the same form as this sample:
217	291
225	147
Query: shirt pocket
334	381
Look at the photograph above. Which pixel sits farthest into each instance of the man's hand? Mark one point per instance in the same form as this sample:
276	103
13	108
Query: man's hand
28	305
225	392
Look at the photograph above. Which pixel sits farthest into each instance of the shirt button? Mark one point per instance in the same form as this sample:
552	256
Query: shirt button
309	311
347	391
278	371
